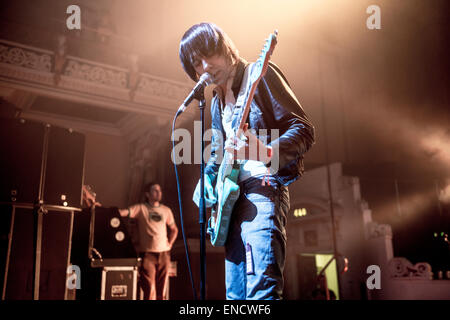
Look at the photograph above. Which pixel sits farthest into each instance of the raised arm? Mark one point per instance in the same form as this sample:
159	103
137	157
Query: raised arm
129	212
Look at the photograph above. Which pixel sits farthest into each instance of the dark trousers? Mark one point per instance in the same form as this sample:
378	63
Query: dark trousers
154	275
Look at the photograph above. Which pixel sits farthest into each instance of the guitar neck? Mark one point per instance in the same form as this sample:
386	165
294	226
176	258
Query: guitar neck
257	71
248	103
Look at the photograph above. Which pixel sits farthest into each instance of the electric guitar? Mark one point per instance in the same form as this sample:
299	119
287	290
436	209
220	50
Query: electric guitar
226	189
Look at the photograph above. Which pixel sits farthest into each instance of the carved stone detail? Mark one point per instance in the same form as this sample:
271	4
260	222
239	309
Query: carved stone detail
163	89
25	58
56	69
96	74
403	268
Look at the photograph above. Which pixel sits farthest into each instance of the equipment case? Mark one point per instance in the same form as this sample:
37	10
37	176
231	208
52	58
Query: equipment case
119	283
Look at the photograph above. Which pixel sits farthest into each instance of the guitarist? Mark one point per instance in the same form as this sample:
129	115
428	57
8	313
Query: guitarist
256	242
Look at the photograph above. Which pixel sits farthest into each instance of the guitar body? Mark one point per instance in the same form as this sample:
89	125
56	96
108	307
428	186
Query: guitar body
226	192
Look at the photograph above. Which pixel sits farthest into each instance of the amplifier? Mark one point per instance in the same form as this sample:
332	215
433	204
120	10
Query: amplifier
40	161
119	283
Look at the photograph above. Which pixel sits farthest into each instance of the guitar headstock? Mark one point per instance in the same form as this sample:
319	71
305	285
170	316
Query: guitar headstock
262	63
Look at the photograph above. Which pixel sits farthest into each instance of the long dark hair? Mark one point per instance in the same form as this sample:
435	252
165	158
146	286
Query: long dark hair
205	39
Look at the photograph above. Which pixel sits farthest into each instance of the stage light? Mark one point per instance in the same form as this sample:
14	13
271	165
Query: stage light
300	212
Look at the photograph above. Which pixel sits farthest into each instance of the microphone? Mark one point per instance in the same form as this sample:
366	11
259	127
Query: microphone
205	80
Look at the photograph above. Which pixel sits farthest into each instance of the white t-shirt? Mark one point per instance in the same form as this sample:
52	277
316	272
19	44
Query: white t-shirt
152	225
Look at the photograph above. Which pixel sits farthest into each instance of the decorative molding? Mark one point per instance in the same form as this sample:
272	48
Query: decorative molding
53	73
94	73
403	268
95	89
25	58
25	75
167	89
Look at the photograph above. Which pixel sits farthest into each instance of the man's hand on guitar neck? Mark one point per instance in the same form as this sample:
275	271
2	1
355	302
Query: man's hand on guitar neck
247	146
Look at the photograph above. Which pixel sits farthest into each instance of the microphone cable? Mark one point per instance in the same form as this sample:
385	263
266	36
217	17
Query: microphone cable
181	209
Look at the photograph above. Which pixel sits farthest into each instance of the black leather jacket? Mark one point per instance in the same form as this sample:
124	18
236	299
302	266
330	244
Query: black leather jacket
274	107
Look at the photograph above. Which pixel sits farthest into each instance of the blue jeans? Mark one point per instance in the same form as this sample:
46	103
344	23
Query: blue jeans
256	242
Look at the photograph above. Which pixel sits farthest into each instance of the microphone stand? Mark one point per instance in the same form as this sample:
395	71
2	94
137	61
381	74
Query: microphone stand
202	207
198	93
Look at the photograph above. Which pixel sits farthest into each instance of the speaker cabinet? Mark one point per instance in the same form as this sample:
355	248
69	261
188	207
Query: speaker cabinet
65	167
22	145
41	165
40	162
